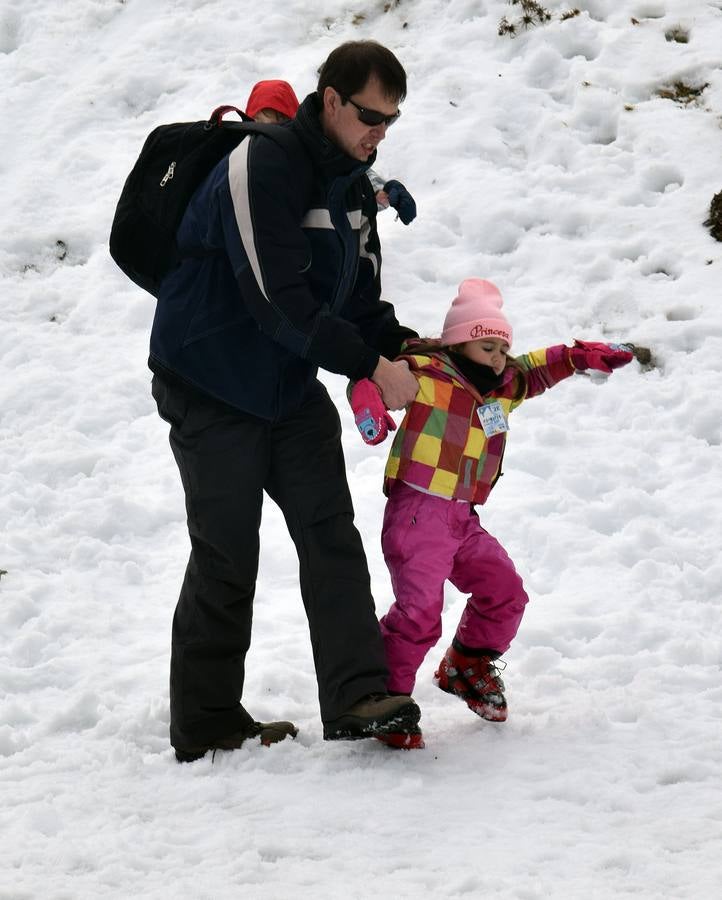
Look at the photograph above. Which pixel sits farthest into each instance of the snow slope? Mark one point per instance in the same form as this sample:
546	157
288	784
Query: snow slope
548	163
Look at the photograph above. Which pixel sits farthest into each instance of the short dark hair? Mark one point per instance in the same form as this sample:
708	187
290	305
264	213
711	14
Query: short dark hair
350	66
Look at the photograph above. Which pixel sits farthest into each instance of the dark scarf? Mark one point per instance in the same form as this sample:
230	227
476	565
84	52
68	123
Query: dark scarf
484	378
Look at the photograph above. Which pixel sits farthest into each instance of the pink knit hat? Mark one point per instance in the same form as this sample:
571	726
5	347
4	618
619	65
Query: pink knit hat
278	95
476	313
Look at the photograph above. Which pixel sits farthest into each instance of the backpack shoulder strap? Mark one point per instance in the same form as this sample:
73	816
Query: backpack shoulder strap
278	133
286	139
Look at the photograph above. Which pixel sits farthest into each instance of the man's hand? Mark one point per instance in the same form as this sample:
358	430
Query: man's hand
397	385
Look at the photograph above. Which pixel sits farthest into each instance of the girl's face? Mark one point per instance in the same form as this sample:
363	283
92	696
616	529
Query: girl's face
486	351
270	116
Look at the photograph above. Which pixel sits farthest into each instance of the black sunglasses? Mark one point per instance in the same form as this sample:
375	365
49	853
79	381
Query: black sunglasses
371	116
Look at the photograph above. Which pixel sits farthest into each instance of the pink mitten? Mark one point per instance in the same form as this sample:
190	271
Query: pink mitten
602	357
372	419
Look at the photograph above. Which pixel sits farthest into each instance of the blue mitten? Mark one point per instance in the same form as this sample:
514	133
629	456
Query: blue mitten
401	200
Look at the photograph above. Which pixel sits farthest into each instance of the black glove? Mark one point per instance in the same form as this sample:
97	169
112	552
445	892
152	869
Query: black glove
401	200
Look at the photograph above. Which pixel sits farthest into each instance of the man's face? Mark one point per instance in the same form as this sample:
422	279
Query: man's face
341	124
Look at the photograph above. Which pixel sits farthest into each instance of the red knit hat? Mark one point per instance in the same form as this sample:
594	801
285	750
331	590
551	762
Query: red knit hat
278	95
476	313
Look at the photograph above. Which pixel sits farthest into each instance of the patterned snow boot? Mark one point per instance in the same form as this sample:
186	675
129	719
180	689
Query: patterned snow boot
400	740
476	679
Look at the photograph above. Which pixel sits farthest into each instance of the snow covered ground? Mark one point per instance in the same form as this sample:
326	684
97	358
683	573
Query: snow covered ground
551	163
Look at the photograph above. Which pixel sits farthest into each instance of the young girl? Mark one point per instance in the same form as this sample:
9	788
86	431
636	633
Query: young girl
445	459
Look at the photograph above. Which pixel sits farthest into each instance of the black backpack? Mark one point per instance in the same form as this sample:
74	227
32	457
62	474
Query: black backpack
173	162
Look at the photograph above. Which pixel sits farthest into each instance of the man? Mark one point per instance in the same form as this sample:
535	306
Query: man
275	101
280	276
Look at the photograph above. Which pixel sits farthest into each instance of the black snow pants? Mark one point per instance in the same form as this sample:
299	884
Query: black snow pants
227	460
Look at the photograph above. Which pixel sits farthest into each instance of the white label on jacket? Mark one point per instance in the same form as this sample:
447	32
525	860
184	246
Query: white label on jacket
492	418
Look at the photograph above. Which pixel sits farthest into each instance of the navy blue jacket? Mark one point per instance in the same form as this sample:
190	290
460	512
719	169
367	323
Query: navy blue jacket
280	275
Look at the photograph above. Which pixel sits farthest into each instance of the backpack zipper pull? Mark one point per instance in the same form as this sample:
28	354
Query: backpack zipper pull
168	175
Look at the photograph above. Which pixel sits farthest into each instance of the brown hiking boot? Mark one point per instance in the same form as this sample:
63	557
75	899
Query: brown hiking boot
268	732
373	715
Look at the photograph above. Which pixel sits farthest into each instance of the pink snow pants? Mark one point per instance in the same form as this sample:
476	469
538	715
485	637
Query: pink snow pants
427	540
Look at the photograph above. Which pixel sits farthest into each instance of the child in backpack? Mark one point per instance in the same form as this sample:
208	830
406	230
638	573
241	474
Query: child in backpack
272	101
445	459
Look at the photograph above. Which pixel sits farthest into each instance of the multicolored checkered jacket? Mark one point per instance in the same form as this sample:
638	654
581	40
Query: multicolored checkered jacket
441	446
